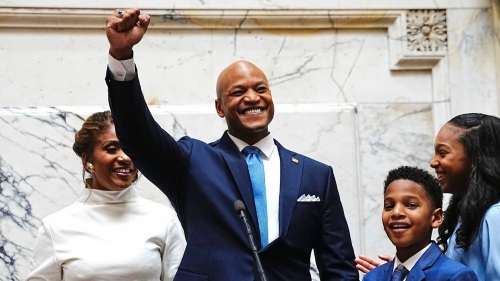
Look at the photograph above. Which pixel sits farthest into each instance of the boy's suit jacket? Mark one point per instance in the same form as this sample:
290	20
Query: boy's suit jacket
432	266
204	180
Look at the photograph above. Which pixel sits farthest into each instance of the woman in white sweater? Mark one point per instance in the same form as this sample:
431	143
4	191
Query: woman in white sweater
110	233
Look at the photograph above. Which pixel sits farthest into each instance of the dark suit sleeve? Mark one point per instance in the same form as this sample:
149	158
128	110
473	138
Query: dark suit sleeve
334	252
157	155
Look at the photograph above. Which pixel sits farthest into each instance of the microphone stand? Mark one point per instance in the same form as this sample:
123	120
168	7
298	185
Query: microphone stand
240	209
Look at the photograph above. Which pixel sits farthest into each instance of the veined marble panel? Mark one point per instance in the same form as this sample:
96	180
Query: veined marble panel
339	51
390	136
255	4
331	53
473	70
40	174
303	65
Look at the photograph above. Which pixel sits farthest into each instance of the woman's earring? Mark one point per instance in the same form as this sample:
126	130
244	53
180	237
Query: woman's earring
89	167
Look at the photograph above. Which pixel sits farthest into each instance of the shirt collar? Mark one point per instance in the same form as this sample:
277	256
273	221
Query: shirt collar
410	263
266	145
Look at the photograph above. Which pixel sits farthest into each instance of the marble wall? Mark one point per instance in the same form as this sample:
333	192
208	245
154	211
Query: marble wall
362	87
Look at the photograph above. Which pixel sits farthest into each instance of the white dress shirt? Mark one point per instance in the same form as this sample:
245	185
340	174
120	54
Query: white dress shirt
121	70
109	235
410	263
271	160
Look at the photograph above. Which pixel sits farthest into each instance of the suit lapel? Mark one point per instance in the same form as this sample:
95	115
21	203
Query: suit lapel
425	261
388	270
239	170
291	174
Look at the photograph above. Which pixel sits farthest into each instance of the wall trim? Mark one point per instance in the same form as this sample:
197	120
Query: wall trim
400	58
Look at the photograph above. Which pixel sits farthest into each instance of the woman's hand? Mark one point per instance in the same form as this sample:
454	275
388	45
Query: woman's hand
365	264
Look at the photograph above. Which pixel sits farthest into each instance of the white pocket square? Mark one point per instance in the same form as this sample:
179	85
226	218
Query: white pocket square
308	198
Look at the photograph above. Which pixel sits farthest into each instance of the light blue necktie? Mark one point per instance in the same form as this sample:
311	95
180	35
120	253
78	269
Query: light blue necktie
400	273
257	177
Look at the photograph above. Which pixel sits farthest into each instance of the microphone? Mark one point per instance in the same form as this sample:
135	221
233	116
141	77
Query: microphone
240	209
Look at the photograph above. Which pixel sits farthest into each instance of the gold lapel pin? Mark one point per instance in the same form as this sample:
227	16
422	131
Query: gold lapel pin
294	160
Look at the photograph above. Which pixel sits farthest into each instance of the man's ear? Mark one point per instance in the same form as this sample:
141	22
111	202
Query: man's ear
437	218
218	108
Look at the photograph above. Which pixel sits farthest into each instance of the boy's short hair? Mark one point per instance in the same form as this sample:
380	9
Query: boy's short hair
422	177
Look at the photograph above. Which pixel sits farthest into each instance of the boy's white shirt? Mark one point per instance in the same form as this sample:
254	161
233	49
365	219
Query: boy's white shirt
410	263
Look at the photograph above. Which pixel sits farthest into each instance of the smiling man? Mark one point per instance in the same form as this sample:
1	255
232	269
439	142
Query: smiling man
244	99
291	201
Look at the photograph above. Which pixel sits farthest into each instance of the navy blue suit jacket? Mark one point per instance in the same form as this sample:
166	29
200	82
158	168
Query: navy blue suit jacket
432	266
204	180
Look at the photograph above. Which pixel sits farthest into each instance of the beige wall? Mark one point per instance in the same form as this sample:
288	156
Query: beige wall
353	89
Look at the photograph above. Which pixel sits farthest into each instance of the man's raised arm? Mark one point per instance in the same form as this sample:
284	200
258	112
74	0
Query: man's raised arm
124	29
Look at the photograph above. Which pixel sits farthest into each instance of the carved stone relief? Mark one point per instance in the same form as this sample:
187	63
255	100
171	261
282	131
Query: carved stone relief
426	30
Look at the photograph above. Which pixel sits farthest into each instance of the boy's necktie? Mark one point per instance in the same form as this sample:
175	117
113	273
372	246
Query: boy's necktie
400	273
256	170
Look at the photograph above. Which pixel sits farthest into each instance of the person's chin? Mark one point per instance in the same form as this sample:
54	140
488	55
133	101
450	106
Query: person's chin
122	185
399	240
444	185
445	188
401	243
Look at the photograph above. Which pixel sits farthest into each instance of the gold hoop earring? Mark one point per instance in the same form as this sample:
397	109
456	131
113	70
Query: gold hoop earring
89	167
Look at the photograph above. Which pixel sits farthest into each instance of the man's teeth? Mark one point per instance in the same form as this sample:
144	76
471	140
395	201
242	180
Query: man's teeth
253	111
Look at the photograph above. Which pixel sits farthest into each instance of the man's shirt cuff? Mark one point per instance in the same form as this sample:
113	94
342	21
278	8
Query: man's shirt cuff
121	70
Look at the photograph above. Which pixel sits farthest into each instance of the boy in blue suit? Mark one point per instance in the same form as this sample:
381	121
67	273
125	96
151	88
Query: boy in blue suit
412	208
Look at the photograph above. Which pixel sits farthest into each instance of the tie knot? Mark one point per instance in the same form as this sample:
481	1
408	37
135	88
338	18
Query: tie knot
251	150
401	267
400	273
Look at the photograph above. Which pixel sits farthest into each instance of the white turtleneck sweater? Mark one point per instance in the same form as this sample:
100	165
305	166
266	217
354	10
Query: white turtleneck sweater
109	235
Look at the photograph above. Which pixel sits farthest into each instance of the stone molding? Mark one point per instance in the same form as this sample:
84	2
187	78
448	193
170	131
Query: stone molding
400	25
403	55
